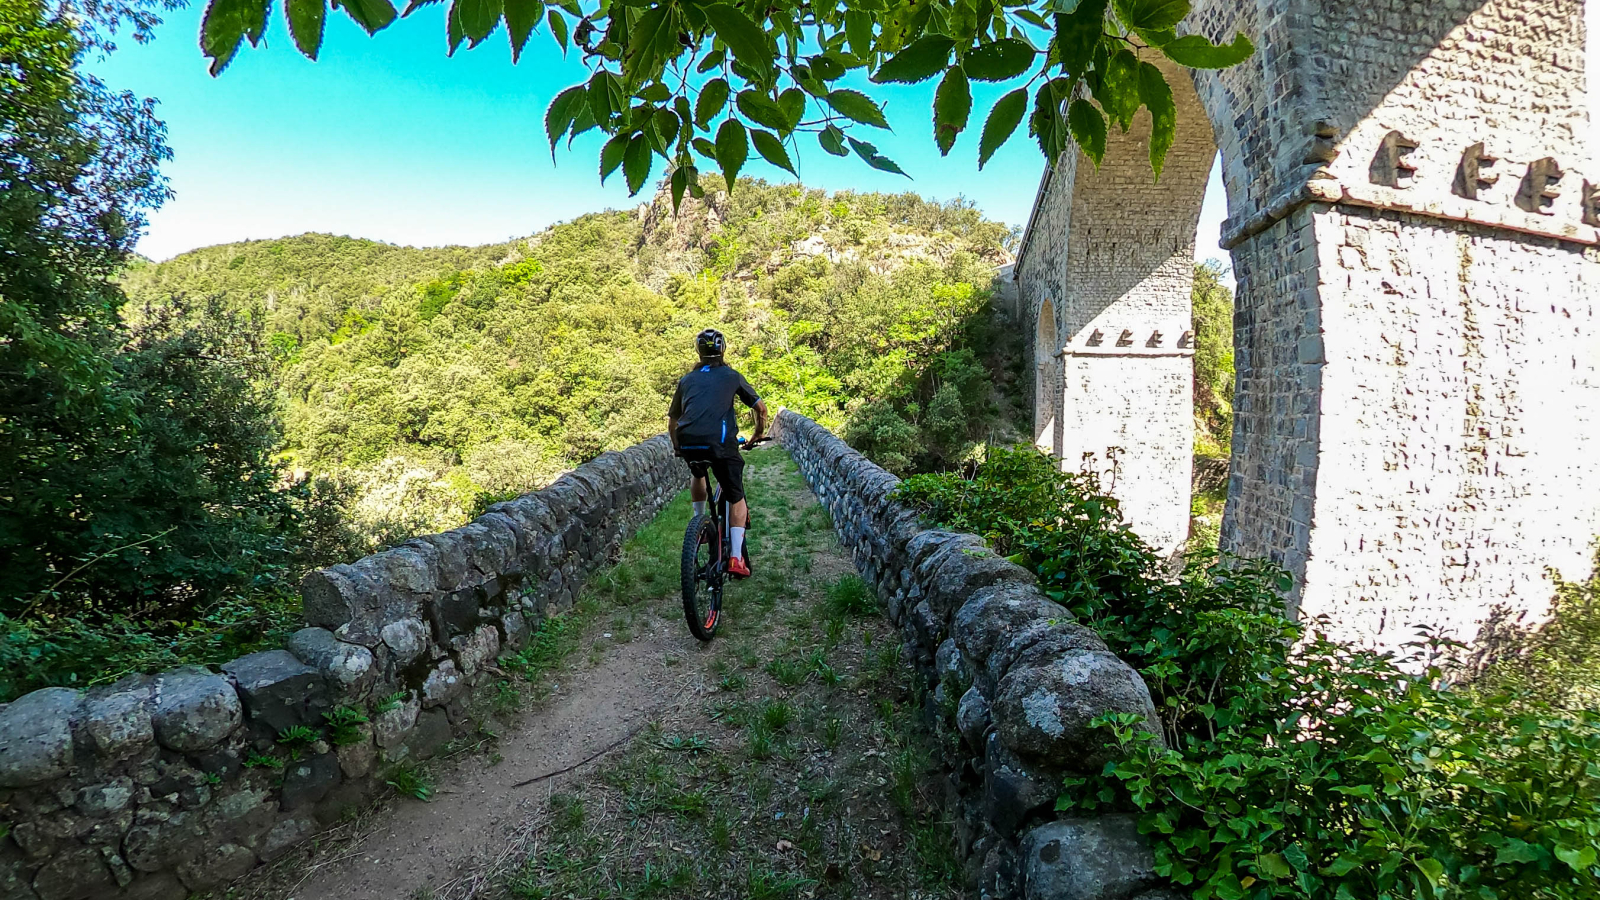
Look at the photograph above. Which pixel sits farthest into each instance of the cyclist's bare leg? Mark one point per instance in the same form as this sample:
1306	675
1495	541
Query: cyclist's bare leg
738	515
697	490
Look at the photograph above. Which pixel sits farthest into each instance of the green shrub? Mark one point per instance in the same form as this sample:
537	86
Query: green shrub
1298	767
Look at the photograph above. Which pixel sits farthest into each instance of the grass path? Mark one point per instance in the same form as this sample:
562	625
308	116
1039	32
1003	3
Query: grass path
778	761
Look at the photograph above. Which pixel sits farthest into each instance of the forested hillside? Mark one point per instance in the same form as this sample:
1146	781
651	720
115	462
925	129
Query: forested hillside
421	383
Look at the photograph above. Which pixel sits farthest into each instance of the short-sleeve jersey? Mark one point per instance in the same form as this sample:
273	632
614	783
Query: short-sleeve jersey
703	408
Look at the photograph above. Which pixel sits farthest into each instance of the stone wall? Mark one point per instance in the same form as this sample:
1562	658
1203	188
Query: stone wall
1012	680
157	786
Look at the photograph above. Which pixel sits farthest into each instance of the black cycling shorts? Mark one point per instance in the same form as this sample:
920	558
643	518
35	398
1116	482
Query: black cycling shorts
729	471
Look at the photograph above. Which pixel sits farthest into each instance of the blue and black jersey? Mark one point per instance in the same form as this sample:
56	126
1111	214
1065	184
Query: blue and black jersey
703	408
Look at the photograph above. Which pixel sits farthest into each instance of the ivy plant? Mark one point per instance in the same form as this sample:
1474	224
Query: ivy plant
687	83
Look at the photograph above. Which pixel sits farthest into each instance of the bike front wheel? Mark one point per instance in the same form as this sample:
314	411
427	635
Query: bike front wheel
702	581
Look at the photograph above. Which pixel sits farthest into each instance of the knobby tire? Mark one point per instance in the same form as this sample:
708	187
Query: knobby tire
700	527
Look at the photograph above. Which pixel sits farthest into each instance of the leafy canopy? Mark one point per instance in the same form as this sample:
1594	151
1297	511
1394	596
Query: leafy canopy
700	83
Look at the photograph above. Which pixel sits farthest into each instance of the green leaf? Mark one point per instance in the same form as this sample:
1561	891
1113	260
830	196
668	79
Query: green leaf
1155	93
832	140
643	40
558	118
744	37
704	148
759	108
1431	869
666	124
1197	52
522	17
710	102
1079	33
1580	859
873	158
858	28
771	149
952	105
1046	124
636	163
1120	87
1273	865
732	148
680	180
478	18
1088	128
922	60
454	35
1153	15
558	27
611	155
306	21
372	15
999	60
1002	122
858	107
712	60
224	28
825	67
600	98
792	103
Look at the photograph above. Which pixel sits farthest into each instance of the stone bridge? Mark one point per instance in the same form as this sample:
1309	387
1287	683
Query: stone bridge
1413	218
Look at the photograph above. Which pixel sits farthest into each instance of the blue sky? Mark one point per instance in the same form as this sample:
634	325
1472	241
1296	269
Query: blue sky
387	138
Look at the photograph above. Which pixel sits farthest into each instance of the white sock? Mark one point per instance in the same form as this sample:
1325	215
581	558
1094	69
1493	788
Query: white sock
699	507
738	541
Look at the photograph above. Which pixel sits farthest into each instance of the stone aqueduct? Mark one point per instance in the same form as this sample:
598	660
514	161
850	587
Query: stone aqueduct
1414	221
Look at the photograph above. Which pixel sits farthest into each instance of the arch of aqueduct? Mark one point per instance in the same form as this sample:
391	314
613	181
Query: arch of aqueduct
1416	239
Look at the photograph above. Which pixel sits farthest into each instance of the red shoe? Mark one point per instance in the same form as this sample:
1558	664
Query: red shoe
737	568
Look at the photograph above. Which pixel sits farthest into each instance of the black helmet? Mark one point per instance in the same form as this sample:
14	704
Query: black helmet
709	344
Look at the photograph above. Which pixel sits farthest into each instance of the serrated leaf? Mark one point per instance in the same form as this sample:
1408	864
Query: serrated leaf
744	37
636	163
680	180
771	149
306	21
858	29
1155	15
478	18
712	60
224	28
998	60
559	116
1002	122
642	38
599	98
453	33
873	158
732	148
666	124
611	155
1079	33
1197	52
759	108
558	27
1120	87
522	17
1046	124
704	148
1155	93
371	15
952	105
654	92
1088	128
710	102
925	58
832	140
1273	865
792	103
826	67
857	106
415	5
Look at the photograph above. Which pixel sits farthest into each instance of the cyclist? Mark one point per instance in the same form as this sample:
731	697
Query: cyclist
704	428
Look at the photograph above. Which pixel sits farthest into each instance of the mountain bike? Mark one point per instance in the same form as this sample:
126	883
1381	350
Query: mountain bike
705	559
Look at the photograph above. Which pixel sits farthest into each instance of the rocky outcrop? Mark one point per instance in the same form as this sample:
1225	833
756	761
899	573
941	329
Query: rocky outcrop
155	787
1012	678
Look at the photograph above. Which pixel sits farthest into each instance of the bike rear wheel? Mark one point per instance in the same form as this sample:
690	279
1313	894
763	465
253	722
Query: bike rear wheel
701	577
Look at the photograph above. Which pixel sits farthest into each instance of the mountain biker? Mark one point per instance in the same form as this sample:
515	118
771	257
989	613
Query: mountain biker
704	428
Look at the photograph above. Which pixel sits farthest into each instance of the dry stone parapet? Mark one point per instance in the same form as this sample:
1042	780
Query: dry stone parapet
1013	681
156	786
